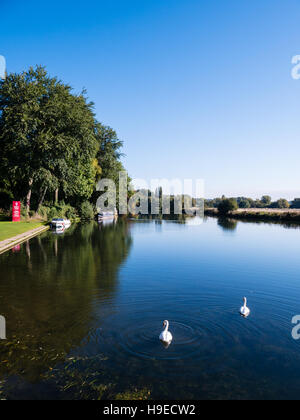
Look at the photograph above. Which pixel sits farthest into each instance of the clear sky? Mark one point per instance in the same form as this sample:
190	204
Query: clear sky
196	89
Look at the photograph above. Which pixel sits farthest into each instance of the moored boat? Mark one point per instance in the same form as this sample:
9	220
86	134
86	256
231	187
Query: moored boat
104	215
60	223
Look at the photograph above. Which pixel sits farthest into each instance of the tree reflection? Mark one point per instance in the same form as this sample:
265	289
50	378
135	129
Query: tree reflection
51	306
227	224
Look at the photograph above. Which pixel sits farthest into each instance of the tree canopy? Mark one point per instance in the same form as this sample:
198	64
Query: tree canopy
51	141
246	203
227	205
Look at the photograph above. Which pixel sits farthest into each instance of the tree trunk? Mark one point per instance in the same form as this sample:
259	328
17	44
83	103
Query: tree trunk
28	197
56	195
56	247
42	199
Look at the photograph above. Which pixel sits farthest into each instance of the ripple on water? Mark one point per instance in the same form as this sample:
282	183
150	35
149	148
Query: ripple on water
143	340
196	337
204	328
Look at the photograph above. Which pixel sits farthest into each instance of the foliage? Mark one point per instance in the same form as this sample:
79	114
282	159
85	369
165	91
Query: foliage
147	203
227	205
51	144
264	203
280	204
214	203
108	154
6	199
296	204
108	164
71	213
57	210
24	214
134	395
86	378
86	211
244	203
266	200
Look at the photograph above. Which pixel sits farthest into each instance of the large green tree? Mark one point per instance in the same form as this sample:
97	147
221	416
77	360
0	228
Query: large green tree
227	205
282	203
266	200
109	153
47	137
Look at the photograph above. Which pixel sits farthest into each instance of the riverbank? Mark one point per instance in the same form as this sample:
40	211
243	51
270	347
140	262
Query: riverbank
280	215
10	229
26	231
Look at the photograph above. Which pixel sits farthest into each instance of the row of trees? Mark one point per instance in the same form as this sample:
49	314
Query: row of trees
52	146
264	202
158	203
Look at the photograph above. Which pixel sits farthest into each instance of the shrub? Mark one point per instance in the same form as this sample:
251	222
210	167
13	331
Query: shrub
43	212
58	210
86	211
71	213
52	213
227	205
23	210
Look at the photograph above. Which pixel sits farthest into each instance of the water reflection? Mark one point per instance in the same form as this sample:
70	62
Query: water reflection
83	320
108	221
227	224
165	344
48	291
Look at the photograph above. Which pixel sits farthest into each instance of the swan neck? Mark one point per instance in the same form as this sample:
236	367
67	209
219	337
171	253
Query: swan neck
245	302
167	326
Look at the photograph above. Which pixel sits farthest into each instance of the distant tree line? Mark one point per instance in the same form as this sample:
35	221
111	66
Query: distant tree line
157	203
53	149
247	203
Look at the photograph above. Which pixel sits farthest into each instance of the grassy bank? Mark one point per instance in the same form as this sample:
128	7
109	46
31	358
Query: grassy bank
10	229
280	215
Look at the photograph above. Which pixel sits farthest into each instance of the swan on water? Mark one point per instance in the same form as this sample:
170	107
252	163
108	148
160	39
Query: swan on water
166	336
244	311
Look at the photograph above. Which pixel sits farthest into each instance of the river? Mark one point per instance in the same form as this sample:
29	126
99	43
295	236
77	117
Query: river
84	311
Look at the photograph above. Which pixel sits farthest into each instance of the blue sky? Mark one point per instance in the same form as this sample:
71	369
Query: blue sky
196	89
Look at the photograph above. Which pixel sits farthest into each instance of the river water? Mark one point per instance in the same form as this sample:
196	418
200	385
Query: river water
84	311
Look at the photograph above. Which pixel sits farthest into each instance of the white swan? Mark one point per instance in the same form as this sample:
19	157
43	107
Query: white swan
244	311
166	336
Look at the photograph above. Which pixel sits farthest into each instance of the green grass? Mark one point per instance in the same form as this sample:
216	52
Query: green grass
10	229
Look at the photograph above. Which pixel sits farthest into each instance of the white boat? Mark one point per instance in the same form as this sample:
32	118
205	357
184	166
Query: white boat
59	224
103	215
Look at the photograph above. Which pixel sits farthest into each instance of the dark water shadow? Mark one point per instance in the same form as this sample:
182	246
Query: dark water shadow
227	225
48	292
